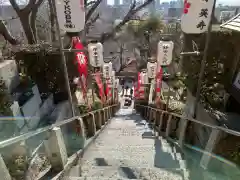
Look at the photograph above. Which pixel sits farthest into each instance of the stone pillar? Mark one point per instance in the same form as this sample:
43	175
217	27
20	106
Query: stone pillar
161	122
98	120
206	157
56	149
82	133
168	129
4	170
102	117
92	125
183	126
150	115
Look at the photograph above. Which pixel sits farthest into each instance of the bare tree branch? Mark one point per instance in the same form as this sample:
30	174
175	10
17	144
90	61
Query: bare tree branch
14	5
90	3
92	10
91	21
6	34
33	17
132	11
29	6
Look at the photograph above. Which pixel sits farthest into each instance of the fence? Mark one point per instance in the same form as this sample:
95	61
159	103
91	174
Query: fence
53	148
176	129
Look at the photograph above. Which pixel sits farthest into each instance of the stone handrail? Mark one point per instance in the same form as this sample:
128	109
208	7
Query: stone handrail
55	147
150	113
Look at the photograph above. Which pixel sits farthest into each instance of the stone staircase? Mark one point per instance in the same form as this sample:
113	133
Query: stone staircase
128	149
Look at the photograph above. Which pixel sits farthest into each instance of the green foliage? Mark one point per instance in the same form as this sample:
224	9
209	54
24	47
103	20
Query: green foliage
83	109
96	105
5	100
219	68
138	28
43	64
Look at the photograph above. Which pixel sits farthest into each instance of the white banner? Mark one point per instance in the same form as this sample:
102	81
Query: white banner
95	51
196	16
165	51
70	15
151	69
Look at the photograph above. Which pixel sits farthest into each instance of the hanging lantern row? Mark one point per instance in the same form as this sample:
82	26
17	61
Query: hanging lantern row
164	53
116	83
151	69
95	51
144	78
107	70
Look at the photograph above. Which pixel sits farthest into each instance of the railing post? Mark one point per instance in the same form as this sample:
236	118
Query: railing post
109	112
5	175
82	132
105	115
99	120
102	116
92	124
161	122
209	147
168	129
183	127
150	115
145	113
155	117
56	149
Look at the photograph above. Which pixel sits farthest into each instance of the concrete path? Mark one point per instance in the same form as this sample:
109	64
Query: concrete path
127	149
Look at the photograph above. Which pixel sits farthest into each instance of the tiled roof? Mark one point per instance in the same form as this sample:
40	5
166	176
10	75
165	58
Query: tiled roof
232	24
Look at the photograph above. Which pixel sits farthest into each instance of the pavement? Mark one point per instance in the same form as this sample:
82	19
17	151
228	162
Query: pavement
128	149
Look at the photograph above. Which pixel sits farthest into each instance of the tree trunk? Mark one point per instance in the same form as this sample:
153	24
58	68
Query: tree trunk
52	21
33	17
24	18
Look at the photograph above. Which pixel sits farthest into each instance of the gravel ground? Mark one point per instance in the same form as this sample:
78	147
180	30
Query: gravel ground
127	149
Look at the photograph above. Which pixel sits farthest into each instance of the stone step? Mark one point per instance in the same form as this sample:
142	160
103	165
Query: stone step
95	178
127	172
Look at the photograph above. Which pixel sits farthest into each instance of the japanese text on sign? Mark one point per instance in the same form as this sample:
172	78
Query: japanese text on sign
196	16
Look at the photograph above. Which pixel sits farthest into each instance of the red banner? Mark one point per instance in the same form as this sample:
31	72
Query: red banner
100	85
159	80
108	91
82	62
140	88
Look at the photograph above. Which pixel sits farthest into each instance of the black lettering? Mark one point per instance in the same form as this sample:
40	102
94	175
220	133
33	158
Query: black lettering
68	17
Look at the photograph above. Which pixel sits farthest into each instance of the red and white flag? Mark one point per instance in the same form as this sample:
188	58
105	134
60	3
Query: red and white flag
82	62
100	86
159	82
141	93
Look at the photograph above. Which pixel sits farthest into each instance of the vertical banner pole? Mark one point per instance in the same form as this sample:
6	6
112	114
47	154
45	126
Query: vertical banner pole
203	62
63	60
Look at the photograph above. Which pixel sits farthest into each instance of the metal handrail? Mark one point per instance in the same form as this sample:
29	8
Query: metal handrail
30	134
235	133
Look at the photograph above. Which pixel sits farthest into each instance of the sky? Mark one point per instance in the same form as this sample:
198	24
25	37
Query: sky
224	2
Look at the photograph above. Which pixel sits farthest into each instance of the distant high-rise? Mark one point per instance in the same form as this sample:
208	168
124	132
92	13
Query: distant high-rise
152	7
104	2
116	2
127	2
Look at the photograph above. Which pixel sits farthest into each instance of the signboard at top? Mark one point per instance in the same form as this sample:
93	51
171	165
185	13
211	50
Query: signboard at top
196	16
164	54
95	51
70	15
